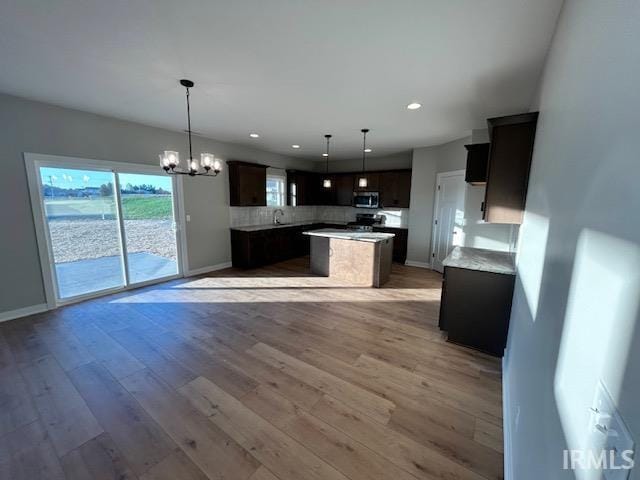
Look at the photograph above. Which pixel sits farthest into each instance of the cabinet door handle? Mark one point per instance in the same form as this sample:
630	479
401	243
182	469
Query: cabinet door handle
482	207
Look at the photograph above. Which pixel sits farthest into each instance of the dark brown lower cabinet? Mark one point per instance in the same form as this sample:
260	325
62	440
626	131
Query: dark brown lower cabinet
399	242
475	308
263	247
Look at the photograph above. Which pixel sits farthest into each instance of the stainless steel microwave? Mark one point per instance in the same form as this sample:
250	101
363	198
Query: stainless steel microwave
366	199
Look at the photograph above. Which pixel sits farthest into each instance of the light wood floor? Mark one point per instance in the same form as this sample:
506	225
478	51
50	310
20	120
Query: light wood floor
263	375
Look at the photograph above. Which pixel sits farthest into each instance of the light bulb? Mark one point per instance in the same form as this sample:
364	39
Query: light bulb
193	166
326	183
172	157
362	182
216	165
206	159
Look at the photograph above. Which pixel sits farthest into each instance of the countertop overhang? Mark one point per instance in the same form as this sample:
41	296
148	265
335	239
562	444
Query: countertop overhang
481	259
372	237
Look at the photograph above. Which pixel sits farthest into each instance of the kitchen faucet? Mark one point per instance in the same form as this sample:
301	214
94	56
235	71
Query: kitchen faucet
276	221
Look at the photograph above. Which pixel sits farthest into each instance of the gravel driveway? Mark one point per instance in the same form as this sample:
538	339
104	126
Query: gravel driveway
81	239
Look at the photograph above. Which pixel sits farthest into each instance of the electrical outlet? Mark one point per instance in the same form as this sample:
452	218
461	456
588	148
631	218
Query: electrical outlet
614	436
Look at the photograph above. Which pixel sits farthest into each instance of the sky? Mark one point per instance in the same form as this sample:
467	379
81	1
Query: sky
69	178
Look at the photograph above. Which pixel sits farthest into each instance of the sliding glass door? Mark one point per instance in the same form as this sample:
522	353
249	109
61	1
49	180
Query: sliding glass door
149	226
81	213
107	230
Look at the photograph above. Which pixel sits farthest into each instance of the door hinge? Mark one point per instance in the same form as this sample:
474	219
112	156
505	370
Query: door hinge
438	187
433	255
436	222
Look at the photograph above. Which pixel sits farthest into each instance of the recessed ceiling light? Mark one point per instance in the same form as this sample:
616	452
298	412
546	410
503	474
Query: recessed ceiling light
367	150
295	146
325	154
254	135
414	106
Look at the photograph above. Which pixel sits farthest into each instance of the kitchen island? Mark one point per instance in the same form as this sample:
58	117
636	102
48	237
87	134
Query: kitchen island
357	258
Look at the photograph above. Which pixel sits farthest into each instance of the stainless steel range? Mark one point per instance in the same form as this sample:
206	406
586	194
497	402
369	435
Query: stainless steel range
365	222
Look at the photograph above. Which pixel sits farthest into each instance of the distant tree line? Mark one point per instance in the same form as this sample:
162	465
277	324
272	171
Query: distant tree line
104	190
144	188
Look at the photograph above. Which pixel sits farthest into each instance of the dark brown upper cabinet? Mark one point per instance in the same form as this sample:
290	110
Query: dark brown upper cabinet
395	188
373	182
477	160
512	139
306	188
247	184
344	189
303	188
325	196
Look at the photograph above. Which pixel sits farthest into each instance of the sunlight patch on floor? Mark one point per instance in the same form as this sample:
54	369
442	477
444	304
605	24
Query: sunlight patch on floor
275	289
268	282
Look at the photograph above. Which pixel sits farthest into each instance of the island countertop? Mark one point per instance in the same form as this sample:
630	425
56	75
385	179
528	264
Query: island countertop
372	237
481	259
271	226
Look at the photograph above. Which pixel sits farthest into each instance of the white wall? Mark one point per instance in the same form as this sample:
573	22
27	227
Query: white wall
427	163
576	305
423	181
34	127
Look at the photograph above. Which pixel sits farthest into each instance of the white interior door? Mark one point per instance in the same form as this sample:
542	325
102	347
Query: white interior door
448	216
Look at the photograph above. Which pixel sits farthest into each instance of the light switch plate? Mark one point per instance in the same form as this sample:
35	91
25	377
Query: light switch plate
607	422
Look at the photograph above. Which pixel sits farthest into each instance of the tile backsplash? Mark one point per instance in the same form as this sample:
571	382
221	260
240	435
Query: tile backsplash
243	216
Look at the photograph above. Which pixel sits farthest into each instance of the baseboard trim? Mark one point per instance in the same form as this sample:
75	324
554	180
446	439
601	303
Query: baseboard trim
23	312
413	263
506	426
210	268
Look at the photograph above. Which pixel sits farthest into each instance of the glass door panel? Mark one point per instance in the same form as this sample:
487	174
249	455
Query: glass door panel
149	226
82	221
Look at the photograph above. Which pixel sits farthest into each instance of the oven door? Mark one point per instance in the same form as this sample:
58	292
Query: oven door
365	199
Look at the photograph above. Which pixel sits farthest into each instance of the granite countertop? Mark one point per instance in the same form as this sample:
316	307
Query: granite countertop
480	259
268	226
373	237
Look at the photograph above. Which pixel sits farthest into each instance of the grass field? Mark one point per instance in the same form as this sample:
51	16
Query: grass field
144	208
133	207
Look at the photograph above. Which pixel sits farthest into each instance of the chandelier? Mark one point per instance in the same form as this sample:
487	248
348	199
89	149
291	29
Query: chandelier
169	160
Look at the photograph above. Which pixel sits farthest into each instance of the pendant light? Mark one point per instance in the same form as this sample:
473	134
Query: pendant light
169	160
326	183
362	181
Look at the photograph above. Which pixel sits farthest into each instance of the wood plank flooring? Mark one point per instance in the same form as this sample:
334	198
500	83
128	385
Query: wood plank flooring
267	374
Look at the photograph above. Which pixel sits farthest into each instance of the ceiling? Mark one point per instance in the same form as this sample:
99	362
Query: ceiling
290	70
